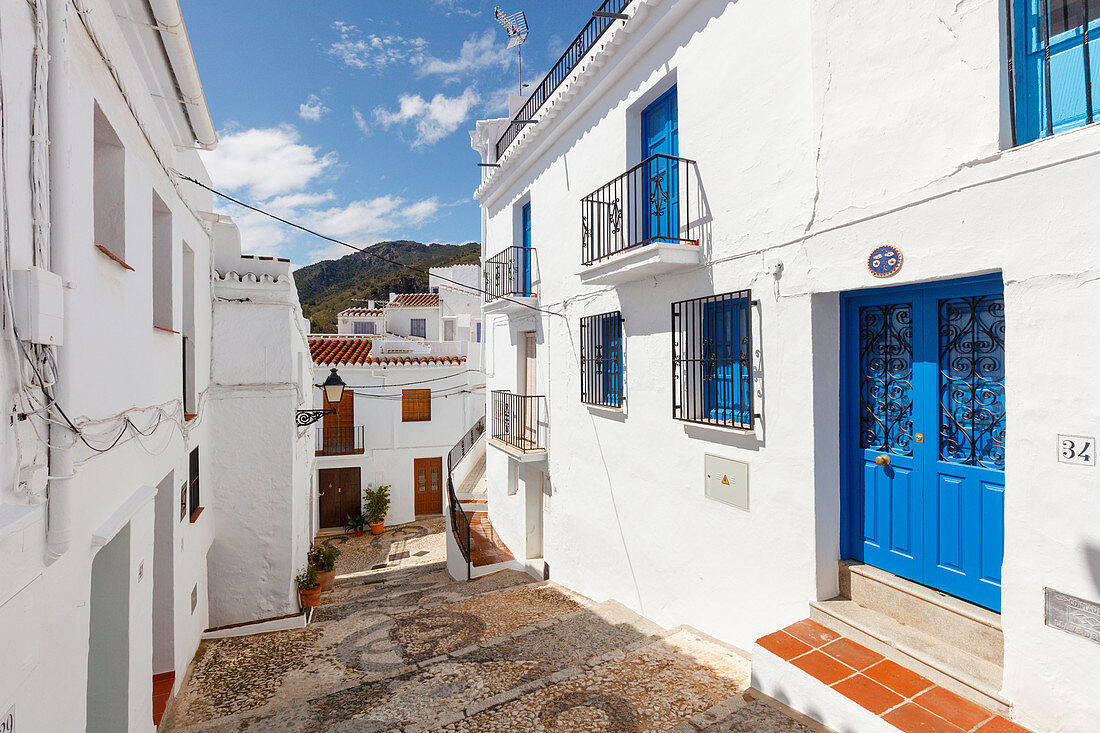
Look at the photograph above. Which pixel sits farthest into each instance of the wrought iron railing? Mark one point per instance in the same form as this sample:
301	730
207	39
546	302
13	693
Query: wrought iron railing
649	203
520	421
340	441
460	523
559	72
511	273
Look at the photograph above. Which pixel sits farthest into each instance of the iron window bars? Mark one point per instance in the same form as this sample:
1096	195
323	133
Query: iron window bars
460	523
649	203
585	40
520	420
510	274
1050	66
340	440
193	494
602	360
712	377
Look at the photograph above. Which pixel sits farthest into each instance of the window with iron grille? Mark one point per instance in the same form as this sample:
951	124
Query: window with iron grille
602	360
712	360
416	405
193	483
418	327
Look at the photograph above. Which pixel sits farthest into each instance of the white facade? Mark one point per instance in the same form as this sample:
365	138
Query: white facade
101	567
820	131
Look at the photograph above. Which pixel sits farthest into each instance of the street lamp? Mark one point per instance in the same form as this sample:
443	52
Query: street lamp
334	392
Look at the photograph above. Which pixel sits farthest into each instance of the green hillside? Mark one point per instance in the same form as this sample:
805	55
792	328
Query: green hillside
328	287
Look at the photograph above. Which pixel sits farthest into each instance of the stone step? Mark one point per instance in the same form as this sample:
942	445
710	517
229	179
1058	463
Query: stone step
956	622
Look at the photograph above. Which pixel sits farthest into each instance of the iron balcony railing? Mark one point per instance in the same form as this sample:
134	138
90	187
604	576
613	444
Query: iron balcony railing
649	203
520	421
340	441
460	523
559	72
510	274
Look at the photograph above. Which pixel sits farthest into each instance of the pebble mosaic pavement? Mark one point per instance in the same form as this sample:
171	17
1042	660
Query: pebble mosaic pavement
404	648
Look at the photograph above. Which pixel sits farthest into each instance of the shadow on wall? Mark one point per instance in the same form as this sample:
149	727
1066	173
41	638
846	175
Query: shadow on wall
1092	560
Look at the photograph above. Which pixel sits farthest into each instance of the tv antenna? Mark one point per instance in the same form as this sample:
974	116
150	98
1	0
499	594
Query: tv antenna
516	26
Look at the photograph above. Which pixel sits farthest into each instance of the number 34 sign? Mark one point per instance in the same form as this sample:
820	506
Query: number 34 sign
1077	449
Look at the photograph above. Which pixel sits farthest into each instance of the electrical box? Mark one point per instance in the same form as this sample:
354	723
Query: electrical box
39	297
727	481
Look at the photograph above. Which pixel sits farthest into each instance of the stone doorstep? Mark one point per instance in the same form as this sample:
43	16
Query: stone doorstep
896	695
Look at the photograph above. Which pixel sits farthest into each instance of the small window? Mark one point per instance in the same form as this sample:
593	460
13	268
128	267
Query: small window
449	327
712	360
479	332
416	405
418	327
365	327
108	188
602	360
162	264
193	485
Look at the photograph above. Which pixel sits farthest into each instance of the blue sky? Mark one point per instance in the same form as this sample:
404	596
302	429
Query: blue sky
352	116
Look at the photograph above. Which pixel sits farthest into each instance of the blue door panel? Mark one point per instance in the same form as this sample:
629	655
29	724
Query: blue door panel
904	510
525	264
660	135
950	527
992	497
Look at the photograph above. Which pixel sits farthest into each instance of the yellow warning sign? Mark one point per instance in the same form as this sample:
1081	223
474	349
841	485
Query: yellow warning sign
726	480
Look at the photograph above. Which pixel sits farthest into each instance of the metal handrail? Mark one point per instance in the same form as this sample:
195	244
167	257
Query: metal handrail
460	523
340	441
506	274
591	33
520	421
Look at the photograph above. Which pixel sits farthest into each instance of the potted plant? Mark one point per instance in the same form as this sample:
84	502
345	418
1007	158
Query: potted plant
355	524
322	559
309	590
378	505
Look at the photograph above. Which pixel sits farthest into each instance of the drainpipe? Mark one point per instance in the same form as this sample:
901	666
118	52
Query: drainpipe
176	43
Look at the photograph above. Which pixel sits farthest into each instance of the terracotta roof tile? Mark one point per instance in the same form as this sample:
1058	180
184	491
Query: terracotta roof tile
415	300
361	313
416	360
340	349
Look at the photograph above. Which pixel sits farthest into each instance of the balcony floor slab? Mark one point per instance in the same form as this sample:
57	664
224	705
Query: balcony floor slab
641	262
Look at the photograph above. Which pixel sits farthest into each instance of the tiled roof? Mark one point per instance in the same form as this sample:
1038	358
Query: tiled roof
340	349
416	360
361	313
415	300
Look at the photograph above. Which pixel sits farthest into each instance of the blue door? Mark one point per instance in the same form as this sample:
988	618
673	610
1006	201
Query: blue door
1069	75
660	132
524	276
924	434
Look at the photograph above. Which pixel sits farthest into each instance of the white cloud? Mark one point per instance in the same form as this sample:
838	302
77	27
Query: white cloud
555	47
478	52
433	120
374	52
361	122
452	7
266	162
313	109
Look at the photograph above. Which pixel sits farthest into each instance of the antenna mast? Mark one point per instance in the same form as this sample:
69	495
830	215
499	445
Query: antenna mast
516	26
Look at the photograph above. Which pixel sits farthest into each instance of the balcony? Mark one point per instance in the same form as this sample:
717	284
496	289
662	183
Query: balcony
340	441
509	281
640	224
393	346
520	424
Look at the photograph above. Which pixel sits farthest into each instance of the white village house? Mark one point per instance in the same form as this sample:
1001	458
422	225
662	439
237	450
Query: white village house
155	483
414	387
790	314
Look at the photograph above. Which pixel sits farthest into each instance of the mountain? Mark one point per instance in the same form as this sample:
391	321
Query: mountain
328	287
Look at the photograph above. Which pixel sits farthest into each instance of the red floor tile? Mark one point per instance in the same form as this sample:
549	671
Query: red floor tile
854	655
910	718
953	708
868	693
783	645
811	632
823	667
1000	725
905	682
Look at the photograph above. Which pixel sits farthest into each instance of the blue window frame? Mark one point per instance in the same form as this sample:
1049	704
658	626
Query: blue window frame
602	359
525	265
479	332
1056	61
712	360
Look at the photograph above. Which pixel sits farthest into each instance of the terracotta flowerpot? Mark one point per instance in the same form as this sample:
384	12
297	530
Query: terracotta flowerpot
377	527
309	598
326	578
358	533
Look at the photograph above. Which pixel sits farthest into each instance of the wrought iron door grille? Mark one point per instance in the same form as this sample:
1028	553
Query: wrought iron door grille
602	360
559	72
510	274
520	421
712	373
649	203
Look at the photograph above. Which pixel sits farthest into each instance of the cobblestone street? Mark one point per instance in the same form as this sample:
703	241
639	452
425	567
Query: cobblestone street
399	646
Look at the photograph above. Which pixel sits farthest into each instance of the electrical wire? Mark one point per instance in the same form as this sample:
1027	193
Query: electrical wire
422	381
342	243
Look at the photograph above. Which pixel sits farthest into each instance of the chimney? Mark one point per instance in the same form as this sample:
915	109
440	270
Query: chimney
370	305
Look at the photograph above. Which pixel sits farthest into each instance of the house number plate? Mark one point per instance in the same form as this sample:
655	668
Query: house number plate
1077	449
1072	614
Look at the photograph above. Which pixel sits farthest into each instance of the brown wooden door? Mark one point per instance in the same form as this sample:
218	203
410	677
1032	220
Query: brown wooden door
428	485
340	495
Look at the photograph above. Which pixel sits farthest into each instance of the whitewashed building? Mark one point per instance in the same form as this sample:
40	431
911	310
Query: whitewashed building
131	425
790	315
414	388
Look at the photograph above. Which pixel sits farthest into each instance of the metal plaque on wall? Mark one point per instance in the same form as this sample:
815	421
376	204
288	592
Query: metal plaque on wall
1072	614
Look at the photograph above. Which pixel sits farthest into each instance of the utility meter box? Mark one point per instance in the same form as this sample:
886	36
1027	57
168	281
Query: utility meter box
727	481
39	297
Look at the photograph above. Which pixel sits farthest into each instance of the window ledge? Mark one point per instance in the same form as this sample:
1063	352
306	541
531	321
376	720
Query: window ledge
189	416
195	514
641	262
511	304
616	410
162	329
113	257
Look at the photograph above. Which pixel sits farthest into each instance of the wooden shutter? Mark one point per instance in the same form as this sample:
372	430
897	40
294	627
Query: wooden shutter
416	405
